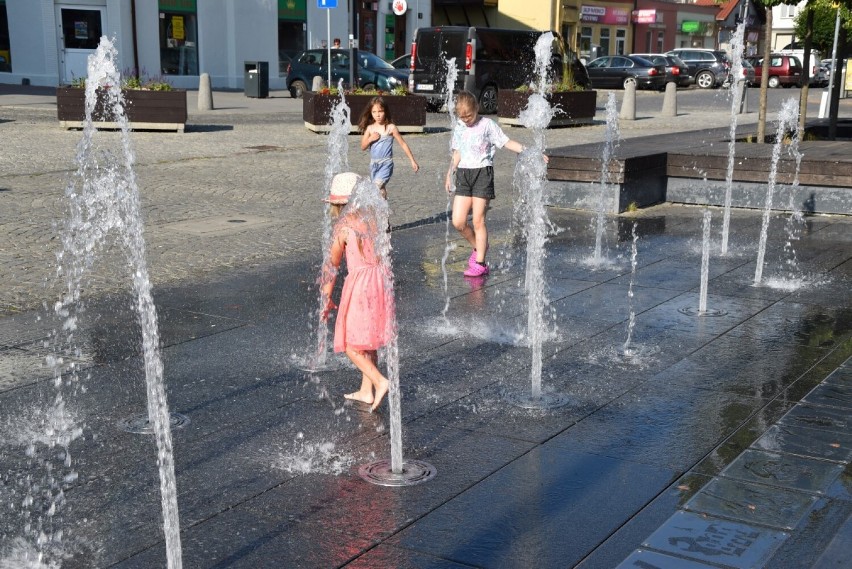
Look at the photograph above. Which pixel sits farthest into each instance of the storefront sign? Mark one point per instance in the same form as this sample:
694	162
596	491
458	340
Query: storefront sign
399	7
292	10
604	15
177	28
81	30
178	6
691	27
645	16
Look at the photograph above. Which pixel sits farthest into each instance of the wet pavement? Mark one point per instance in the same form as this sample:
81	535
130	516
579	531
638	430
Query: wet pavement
725	442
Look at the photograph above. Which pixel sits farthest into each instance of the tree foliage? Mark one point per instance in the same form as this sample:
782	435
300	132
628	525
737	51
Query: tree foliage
825	14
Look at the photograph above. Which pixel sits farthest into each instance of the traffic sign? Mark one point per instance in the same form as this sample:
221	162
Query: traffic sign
326	3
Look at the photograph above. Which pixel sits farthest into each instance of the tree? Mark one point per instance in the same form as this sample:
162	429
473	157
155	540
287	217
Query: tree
825	13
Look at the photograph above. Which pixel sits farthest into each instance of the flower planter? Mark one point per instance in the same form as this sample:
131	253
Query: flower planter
408	111
570	107
146	110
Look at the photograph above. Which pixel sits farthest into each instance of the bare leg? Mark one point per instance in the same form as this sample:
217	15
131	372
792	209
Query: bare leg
461	207
480	207
366	362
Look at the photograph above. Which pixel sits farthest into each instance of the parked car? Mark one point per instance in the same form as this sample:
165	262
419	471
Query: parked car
402	62
748	72
784	70
487	59
617	70
816	77
708	68
373	71
284	59
676	70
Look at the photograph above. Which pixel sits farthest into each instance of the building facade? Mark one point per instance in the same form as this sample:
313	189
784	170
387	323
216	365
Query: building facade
47	42
661	26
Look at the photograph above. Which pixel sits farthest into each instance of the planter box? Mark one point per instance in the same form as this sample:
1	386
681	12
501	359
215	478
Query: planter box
408	111
571	107
146	110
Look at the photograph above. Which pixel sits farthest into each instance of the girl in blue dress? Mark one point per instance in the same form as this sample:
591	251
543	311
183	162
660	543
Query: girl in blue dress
379	134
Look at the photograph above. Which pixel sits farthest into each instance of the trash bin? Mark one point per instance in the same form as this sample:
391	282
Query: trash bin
257	79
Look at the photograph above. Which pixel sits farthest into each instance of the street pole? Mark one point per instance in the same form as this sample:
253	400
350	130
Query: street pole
353	44
826	95
328	42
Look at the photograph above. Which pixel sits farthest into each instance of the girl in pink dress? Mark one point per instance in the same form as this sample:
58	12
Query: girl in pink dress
365	315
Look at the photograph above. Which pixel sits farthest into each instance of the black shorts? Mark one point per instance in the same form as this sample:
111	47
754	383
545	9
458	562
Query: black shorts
475	182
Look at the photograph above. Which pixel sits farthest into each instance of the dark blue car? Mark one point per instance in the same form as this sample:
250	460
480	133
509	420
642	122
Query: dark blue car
373	71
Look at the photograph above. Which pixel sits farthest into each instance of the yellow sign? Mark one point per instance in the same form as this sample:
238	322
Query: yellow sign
177	28
848	85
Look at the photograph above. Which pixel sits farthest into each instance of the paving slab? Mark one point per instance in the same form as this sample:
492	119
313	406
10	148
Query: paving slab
267	467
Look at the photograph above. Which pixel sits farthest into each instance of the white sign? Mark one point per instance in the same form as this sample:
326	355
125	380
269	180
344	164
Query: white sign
399	7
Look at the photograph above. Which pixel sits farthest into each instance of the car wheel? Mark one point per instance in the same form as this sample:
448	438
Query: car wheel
433	106
297	88
705	80
627	81
488	100
774	82
368	87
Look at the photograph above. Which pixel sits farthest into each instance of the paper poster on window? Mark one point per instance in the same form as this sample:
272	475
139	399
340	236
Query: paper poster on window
177	28
81	30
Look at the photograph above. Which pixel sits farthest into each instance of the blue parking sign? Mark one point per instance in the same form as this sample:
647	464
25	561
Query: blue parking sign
326	3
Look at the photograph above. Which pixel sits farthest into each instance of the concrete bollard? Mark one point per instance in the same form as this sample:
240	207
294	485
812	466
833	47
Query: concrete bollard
628	105
670	100
317	84
205	94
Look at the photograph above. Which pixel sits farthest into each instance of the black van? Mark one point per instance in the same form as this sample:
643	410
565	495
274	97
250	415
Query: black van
487	59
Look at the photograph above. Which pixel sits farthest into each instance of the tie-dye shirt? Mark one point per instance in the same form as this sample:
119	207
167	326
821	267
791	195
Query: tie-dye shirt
477	143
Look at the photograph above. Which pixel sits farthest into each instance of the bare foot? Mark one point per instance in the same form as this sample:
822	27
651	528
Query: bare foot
358	396
381	391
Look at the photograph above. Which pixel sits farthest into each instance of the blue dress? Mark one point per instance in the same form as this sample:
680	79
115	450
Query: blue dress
381	159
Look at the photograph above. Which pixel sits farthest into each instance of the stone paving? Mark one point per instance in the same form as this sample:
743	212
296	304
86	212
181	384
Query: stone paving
739	422
249	157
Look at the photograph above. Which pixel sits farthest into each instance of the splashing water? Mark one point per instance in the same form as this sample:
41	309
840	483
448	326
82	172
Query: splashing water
705	263
530	179
632	321
103	198
788	119
449	101
307	458
338	161
736	97
794	222
611	140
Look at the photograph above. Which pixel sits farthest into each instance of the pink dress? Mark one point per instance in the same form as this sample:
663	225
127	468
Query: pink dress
365	307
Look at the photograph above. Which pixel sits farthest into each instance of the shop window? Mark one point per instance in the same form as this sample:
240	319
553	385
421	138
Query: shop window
604	41
620	40
178	37
661	36
5	48
585	41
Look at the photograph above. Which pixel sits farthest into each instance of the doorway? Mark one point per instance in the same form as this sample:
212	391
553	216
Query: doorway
80	29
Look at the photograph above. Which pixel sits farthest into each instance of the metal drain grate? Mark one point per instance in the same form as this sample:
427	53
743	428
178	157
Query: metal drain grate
413	472
141	425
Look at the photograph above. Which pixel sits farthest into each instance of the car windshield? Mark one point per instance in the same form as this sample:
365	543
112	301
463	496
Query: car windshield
372	61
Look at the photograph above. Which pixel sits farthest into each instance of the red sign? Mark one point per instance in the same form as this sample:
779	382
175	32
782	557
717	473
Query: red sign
644	16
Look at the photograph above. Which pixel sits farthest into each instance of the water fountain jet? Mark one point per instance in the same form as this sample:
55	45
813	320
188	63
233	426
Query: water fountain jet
530	179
